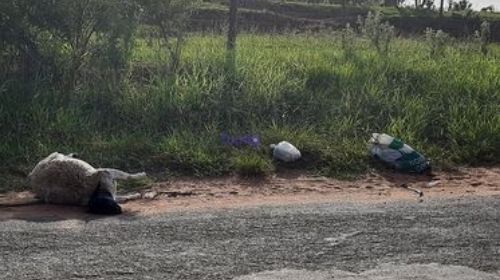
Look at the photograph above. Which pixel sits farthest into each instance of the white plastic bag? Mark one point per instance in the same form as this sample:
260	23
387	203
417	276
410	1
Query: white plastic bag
285	151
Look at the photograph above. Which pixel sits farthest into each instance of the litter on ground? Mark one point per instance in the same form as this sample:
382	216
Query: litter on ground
242	141
397	154
285	151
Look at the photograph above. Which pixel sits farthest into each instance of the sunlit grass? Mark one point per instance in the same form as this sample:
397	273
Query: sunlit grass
299	88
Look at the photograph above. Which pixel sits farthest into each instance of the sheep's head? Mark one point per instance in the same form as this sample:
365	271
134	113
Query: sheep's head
102	200
106	181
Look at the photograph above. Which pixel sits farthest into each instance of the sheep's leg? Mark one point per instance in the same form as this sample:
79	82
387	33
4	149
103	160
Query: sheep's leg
121	175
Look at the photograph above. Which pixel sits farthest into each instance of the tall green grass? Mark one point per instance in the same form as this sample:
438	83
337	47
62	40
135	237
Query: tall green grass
300	88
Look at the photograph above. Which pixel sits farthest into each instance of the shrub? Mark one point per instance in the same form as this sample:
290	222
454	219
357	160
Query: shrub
483	37
348	38
170	20
437	41
63	38
380	34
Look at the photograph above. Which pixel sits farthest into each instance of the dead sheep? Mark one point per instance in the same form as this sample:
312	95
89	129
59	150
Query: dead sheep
65	179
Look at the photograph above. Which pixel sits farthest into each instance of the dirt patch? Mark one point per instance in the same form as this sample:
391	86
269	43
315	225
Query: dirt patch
232	192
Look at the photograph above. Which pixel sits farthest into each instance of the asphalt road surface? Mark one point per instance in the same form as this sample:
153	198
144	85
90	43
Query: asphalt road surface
436	239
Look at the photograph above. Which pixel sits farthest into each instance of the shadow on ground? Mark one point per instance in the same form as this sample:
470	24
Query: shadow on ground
23	206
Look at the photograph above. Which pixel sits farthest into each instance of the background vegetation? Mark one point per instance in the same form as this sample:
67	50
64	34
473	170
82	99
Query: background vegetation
122	86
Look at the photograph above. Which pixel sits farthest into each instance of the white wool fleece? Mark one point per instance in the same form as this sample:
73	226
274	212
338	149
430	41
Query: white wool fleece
62	179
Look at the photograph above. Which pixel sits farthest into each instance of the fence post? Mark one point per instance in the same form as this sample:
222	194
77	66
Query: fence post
232	32
231	80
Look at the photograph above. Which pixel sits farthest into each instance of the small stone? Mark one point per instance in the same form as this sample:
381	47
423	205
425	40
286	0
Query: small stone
128	197
150	195
433	184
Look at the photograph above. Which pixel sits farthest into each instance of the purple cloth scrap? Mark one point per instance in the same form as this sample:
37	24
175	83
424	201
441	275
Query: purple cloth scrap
252	141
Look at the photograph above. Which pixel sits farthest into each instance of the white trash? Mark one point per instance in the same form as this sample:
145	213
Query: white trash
285	151
396	153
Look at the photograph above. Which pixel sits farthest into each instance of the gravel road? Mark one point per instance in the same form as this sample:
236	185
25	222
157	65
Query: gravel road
435	239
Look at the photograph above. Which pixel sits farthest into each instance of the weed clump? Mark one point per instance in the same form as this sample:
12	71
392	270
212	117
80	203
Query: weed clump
437	41
251	164
380	33
348	39
483	37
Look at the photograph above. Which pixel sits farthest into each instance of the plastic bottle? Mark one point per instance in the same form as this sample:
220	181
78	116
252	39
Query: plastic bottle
285	151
